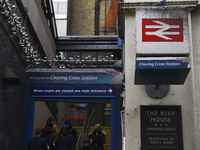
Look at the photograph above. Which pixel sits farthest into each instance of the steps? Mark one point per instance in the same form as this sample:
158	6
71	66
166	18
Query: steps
107	145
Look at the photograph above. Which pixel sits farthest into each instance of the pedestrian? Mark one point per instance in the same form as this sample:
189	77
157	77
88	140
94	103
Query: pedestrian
50	132
97	138
51	120
86	144
38	142
71	129
65	140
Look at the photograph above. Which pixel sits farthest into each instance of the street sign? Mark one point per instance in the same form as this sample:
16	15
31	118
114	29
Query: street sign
162	63
161	70
162	31
71	77
72	91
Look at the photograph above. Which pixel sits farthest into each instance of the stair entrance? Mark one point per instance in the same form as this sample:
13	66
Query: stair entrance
107	145
75	96
83	115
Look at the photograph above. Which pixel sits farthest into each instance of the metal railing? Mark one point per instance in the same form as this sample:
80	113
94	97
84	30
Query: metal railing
85	128
80	135
90	121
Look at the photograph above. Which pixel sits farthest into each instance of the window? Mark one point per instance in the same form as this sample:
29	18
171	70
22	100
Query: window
61	11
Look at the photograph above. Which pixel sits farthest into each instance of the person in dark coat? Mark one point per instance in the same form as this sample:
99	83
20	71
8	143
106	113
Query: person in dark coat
38	142
97	138
71	129
65	140
49	133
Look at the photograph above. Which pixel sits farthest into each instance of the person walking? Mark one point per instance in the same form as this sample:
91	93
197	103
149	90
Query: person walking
51	121
65	140
71	129
50	132
38	142
97	138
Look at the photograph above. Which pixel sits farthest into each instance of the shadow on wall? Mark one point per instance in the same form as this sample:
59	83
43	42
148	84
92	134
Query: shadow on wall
3	140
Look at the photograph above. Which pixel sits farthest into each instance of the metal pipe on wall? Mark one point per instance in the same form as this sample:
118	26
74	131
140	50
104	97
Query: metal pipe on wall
96	32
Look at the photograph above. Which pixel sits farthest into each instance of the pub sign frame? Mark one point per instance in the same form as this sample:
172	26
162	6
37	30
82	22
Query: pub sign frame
161	128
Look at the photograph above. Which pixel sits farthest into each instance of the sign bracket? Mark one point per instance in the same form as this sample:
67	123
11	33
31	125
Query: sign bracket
157	91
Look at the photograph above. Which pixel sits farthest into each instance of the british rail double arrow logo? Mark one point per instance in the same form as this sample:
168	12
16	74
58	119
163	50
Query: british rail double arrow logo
162	30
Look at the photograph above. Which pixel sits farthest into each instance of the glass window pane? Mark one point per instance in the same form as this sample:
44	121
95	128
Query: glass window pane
62	27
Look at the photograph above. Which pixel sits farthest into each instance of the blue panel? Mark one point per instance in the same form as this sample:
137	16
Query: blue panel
119	43
165	63
72	87
31	116
72	91
25	117
113	124
70	78
82	100
118	131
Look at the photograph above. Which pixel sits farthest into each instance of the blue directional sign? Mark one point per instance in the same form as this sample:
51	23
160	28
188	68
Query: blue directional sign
71	91
70	78
161	70
162	63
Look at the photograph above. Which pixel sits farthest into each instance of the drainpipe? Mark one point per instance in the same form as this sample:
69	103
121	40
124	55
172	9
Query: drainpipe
96	17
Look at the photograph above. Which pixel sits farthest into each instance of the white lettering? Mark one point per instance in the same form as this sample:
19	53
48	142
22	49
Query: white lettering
37	90
58	77
159	64
172	64
67	91
74	78
160	119
88	78
37	78
146	64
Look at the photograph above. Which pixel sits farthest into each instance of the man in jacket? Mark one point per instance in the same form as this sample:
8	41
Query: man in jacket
38	142
65	141
71	129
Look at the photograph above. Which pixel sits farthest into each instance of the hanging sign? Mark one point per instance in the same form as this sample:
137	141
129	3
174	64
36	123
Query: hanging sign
72	77
162	30
161	70
162	63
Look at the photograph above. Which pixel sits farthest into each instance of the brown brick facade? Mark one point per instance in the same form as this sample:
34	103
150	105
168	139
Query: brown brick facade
82	17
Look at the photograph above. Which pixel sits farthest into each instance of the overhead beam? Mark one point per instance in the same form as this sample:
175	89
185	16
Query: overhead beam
87	43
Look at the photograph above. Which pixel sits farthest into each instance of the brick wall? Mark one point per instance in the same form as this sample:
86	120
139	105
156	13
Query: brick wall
82	14
82	17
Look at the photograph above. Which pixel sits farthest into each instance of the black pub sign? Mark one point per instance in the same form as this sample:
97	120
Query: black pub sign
161	128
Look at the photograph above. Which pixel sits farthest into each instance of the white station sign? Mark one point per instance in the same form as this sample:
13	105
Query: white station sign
162	30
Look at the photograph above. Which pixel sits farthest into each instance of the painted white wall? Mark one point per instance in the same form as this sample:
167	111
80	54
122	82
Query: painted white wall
182	95
41	114
196	58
